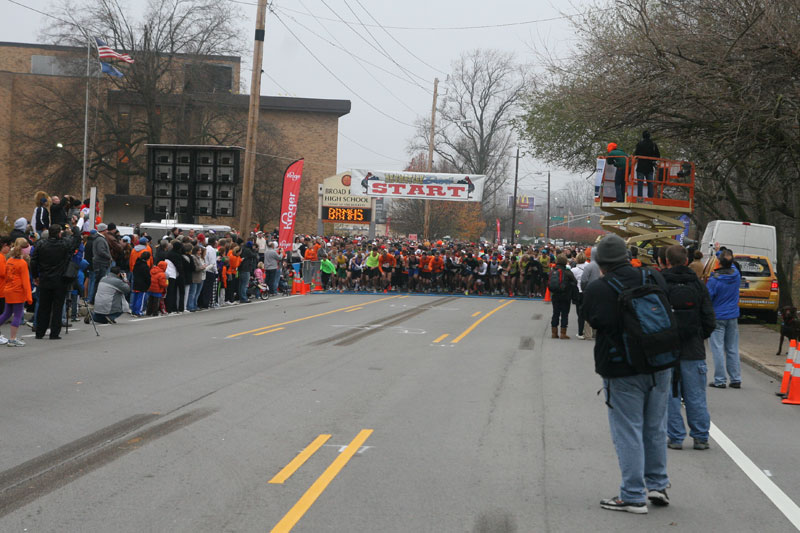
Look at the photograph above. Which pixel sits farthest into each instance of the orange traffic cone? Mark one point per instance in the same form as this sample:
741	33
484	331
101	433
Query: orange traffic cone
547	295
295	286
794	387
787	369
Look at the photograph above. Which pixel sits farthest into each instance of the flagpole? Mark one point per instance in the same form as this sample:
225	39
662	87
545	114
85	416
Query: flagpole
86	118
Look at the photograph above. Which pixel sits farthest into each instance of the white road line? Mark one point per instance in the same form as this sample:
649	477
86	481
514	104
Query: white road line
784	504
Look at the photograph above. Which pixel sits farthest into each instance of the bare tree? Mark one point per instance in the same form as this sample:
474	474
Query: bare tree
474	131
165	89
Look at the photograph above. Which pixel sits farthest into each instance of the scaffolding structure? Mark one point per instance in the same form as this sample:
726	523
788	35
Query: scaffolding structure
644	213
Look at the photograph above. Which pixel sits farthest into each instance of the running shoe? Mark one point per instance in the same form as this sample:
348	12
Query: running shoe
15	343
3	340
616	504
658	497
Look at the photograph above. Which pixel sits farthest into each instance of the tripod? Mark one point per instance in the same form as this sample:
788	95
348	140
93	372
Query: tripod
89	315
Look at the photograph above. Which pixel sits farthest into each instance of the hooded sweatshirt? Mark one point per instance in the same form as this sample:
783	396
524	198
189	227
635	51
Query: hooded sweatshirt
158	278
20	225
723	287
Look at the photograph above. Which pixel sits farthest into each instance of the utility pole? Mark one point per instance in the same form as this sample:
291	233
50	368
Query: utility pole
252	121
427	217
547	235
514	205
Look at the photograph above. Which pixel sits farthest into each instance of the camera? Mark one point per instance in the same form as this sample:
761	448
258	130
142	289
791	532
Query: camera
685	171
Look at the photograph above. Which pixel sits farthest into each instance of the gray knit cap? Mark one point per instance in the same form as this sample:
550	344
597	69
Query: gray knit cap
610	251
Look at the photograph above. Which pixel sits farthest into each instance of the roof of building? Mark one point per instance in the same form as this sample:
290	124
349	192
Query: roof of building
82	49
270	103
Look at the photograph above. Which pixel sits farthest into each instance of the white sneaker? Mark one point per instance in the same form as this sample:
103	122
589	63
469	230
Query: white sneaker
581	337
3	340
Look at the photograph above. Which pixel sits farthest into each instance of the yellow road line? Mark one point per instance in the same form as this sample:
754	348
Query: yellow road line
307	500
287	471
481	319
476	313
354	309
406	296
307	317
269	331
440	338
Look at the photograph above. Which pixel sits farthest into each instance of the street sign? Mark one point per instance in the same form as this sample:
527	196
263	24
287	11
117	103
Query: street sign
557	219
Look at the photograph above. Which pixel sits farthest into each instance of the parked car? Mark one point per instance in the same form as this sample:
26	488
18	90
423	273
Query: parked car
759	293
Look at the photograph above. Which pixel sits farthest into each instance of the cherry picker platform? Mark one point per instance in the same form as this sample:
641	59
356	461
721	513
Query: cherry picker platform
645	213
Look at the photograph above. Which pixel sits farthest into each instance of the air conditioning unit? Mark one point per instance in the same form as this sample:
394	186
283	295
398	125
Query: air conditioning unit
224	177
183	160
203	210
163	191
182	191
163	176
202	207
183	176
204	193
225	160
163	159
224	208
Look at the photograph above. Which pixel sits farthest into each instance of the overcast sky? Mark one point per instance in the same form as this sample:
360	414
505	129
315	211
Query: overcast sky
368	137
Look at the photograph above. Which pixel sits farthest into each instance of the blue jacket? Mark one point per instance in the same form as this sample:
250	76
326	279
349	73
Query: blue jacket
723	287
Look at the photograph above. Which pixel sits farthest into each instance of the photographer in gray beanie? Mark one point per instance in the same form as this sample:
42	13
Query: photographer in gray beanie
637	403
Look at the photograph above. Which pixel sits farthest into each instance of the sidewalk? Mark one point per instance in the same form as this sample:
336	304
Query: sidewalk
757	348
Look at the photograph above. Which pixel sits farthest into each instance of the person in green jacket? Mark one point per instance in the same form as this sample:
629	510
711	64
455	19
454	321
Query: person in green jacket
619	159
326	268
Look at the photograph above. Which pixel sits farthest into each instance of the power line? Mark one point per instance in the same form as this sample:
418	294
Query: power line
318	60
452	28
358	59
398	42
370	149
379	48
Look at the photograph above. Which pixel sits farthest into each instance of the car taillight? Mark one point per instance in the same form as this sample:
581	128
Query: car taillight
774	286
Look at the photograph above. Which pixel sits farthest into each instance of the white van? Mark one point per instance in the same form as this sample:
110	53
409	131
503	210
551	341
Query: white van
742	238
159	229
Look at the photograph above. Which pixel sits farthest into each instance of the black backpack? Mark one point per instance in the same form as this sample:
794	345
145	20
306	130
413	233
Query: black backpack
649	327
686	299
557	282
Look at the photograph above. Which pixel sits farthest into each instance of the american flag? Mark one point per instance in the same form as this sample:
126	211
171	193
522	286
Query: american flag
106	52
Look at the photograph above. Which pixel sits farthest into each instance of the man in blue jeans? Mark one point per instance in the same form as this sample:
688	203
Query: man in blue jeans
637	403
723	287
695	315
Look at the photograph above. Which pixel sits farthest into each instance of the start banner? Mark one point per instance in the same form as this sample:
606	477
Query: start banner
419	185
290	198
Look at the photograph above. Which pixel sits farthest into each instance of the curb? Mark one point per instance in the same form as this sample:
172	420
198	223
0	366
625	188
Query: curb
758	365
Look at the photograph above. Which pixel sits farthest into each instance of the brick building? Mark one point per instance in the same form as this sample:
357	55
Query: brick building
42	95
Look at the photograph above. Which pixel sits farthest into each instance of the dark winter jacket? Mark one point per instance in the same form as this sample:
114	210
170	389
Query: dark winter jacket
723	287
49	260
602	312
101	254
57	215
646	147
618	158
249	260
570	282
141	276
692	346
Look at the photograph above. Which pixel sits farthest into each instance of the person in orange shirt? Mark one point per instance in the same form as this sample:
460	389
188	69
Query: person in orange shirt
234	260
386	266
426	269
5	246
17	289
437	269
138	250
311	253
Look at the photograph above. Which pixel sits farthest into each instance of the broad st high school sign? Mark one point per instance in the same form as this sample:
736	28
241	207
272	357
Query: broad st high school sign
419	185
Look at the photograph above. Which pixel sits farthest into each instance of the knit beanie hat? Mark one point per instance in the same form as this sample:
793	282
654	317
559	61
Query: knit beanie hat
610	251
612	146
20	224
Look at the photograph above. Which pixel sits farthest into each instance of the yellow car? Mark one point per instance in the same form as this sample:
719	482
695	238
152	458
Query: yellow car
758	293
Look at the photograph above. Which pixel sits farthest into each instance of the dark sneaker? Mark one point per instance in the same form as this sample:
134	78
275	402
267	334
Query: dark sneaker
616	504
737	385
674	445
111	320
714	385
700	444
658	497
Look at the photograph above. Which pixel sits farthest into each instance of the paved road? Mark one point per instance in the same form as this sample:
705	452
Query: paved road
412	413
